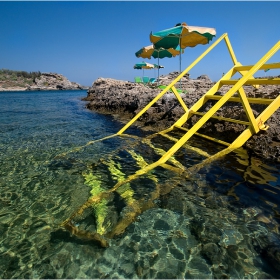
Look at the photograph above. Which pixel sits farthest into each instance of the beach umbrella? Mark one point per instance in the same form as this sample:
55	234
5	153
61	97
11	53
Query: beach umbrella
150	51
182	36
143	65
158	66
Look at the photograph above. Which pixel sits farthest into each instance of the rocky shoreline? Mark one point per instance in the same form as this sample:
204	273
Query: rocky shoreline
124	100
45	82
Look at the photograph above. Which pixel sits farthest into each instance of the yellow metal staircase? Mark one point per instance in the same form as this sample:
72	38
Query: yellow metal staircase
167	160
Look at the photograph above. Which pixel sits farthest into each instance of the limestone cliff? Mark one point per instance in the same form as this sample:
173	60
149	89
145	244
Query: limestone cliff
53	81
23	81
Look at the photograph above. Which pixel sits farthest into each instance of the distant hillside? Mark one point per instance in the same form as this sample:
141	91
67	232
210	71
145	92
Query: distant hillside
21	80
10	78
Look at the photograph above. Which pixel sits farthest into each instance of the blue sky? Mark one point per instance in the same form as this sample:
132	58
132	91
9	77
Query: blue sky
87	40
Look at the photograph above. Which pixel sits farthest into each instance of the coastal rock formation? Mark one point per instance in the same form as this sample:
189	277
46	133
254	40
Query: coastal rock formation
24	81
125	99
111	96
53	81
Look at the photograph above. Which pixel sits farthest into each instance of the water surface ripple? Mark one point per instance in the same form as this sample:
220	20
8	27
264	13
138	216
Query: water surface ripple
222	222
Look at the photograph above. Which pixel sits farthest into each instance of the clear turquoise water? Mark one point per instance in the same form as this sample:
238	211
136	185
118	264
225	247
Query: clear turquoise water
222	222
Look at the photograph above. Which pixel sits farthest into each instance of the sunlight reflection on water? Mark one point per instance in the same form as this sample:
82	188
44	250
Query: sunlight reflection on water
222	222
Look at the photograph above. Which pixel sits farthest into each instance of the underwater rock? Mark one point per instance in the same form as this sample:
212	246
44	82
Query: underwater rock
267	243
212	252
230	237
272	255
63	164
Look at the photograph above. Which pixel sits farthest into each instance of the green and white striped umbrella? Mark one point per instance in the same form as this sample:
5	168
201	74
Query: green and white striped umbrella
182	36
143	65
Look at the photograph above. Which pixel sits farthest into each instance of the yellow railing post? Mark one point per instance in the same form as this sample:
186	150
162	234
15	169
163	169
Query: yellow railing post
230	50
181	101
248	110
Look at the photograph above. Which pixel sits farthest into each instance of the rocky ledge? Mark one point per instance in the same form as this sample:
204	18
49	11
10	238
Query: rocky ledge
124	100
53	81
45	81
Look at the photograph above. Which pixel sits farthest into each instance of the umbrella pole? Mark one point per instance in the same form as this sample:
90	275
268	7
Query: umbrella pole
180	61
158	69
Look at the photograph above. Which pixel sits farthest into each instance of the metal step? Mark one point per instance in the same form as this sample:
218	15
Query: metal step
221	118
263	67
205	136
274	81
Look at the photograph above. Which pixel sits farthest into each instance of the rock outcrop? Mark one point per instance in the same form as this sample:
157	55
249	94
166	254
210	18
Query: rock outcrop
125	99
53	81
45	81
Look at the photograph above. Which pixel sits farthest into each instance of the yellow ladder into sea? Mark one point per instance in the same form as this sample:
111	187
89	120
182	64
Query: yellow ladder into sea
254	125
235	94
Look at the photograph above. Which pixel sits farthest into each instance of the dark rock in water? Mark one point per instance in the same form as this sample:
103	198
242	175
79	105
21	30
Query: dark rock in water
161	225
125	99
272	255
267	244
212	252
63	164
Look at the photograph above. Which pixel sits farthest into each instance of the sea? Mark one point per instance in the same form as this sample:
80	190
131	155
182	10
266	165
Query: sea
59	166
